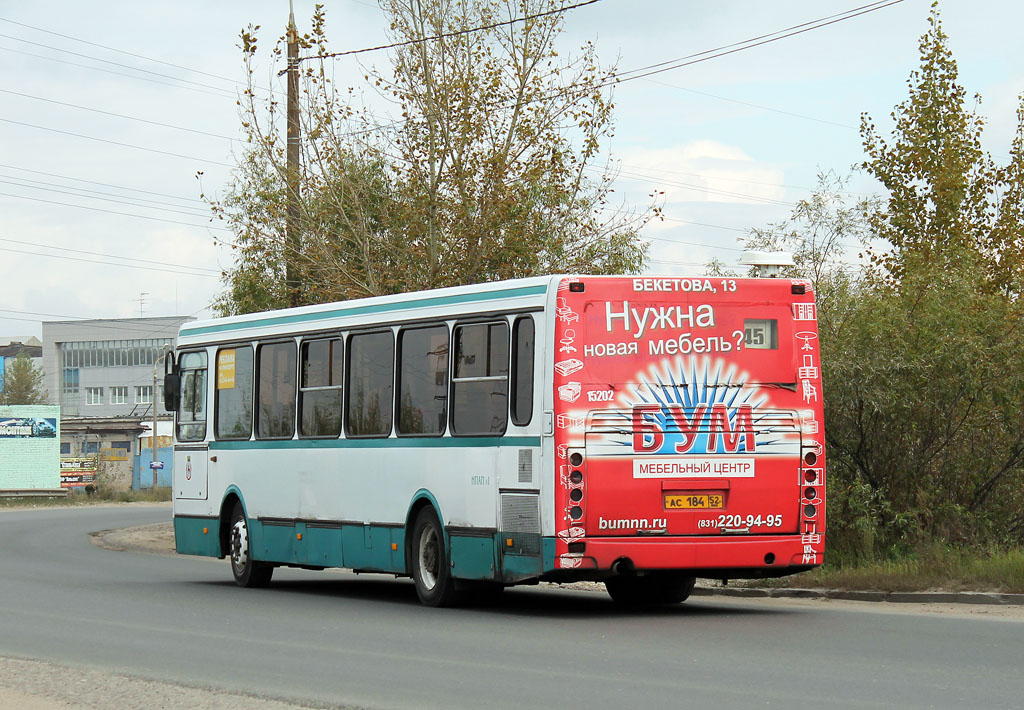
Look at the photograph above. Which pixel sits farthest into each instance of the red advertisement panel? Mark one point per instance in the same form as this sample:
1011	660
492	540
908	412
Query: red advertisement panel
688	407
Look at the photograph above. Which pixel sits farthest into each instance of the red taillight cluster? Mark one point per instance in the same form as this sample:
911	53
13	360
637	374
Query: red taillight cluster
574	482
810	477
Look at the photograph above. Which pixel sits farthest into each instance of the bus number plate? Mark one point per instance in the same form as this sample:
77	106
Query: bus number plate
695	501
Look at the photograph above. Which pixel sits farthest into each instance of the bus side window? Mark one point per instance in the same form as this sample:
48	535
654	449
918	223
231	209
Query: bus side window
320	388
275	364
480	380
370	384
522	370
192	402
423	380
233	416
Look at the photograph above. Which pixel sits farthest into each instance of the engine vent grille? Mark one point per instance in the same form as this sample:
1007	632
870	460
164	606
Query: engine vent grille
520	523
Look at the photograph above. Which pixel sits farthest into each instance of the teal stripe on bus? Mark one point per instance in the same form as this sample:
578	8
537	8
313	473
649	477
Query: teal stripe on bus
403	443
365	310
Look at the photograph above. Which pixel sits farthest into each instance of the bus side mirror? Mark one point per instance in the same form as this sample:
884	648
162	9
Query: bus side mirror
172	391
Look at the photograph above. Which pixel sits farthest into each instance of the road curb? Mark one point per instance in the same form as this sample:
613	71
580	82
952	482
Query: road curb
994	598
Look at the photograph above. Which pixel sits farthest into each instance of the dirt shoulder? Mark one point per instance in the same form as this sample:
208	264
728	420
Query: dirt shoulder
36	685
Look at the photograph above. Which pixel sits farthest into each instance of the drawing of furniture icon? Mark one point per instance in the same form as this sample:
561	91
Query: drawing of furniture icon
567	340
567	367
565	313
570	391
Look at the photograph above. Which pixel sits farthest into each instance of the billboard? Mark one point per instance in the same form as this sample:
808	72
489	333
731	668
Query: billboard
29	447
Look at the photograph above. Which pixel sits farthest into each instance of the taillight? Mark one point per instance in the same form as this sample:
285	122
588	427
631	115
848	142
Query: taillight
574	482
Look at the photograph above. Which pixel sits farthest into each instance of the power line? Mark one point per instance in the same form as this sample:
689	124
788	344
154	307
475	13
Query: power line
123	145
446	35
94	182
752	42
119	115
105	263
144	329
119	51
112	256
138	200
219	94
117	64
753	105
124	214
108	199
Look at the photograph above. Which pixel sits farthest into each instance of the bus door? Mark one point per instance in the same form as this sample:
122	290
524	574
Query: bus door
191	452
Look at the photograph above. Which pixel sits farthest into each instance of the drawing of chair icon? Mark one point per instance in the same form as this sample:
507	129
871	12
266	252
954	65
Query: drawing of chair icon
569	337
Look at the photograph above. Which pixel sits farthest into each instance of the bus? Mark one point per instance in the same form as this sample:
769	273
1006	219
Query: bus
636	431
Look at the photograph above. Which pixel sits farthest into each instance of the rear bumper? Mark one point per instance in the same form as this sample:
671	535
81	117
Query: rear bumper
733	557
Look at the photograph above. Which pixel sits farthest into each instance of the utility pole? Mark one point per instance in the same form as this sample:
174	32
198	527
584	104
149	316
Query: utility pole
152	439
293	239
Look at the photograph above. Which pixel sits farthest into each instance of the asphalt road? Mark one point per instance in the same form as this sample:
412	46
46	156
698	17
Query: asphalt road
364	641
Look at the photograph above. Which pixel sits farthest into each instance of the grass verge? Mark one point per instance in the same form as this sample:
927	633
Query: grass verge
159	495
937	568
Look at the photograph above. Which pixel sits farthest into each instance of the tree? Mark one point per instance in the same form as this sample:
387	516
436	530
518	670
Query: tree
943	209
489	172
922	352
819	233
22	383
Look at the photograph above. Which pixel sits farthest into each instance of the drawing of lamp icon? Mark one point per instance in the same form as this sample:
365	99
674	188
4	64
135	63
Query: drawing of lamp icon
807	337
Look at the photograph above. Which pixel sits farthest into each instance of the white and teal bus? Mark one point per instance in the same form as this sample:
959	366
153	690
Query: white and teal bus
636	431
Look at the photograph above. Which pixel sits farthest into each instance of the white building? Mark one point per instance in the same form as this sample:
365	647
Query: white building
104	368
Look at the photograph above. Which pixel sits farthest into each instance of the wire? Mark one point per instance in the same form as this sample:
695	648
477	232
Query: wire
125	214
144	329
119	51
119	115
110	199
123	145
105	263
118	64
94	182
752	42
218	94
50	185
753	105
111	256
446	35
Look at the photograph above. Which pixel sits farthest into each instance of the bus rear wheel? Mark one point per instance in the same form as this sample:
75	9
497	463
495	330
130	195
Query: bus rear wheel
247	571
650	589
430	568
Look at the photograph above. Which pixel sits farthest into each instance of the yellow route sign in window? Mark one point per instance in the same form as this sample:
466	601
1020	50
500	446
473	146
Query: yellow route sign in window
226	369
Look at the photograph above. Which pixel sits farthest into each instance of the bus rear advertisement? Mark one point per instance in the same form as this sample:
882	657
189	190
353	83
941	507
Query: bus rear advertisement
641	432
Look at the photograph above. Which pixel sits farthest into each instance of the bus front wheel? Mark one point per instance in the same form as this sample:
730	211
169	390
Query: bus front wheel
430	568
650	589
247	571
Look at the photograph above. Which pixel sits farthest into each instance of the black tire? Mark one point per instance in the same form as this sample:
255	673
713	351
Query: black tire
428	557
247	571
650	589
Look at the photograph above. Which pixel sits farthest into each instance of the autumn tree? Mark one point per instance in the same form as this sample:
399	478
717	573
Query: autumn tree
22	382
923	353
491	170
947	206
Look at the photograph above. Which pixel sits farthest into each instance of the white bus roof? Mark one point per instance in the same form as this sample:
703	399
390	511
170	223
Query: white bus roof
513	294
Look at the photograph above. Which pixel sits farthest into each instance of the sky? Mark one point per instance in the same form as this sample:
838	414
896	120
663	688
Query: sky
107	117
